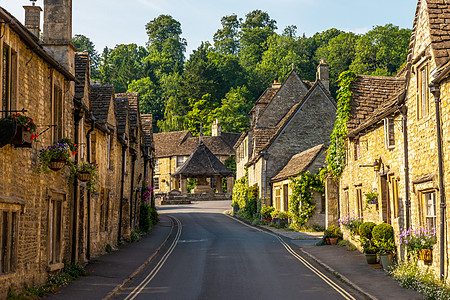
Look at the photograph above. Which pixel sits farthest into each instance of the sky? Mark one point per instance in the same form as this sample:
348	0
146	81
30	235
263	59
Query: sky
108	23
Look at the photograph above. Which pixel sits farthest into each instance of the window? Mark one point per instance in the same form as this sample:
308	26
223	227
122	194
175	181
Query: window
389	133
180	161
55	231
322	204
81	145
277	197
429	204
93	147
345	202
357	150
156	183
156	165
8	240
422	92
359	202
395	197
110	150
8	80
58	130
104	209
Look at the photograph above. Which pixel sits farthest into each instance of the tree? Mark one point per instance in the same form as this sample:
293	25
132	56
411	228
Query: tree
176	107
83	43
199	113
381	51
226	40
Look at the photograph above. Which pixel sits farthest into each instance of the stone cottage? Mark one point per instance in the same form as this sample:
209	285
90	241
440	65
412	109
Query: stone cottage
287	119
399	149
47	219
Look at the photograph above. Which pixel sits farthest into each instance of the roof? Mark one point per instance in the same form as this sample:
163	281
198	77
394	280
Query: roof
82	73
182	143
122	114
439	16
203	163
369	93
101	100
147	128
261	136
299	163
266	97
133	102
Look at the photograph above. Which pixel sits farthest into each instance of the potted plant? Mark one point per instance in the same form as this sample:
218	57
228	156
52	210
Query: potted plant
283	218
25	131
332	234
265	213
372	198
383	237
351	223
274	215
86	172
419	242
370	251
54	157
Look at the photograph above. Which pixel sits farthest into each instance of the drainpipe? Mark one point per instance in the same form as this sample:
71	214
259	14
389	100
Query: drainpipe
88	148
133	161
265	157
403	111
77	118
122	186
435	90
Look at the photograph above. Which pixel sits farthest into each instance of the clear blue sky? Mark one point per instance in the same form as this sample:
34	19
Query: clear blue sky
111	22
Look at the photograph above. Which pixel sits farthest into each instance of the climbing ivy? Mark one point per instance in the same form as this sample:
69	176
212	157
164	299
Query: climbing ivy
301	204
240	190
336	151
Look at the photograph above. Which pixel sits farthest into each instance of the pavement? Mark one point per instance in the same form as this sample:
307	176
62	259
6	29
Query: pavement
107	274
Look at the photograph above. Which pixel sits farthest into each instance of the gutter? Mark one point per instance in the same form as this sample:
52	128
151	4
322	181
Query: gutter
404	112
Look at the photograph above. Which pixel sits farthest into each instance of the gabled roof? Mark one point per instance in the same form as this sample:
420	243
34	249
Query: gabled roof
266	97
167	143
369	94
147	128
82	74
439	16
122	114
133	102
203	163
101	96
230	138
299	163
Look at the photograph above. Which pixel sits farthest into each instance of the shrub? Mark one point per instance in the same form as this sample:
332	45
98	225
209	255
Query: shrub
274	213
108	248
284	215
333	232
382	231
370	250
365	230
251	204
266	211
145	218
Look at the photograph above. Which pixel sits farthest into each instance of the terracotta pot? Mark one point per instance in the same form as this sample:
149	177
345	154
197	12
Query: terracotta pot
328	241
56	164
333	241
83	176
22	139
426	255
267	220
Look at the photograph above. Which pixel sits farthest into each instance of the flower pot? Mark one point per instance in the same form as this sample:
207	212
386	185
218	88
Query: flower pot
426	255
22	138
386	260
56	164
7	131
83	176
371	258
328	241
267	220
334	240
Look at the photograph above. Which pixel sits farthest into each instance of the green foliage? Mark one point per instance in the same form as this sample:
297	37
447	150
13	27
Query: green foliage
266	211
383	238
301	204
226	40
192	183
251	206
333	232
240	191
150	97
59	151
145	217
135	237
365	230
336	150
83	43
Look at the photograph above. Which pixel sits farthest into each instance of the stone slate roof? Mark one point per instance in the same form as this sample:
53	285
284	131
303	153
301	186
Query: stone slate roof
203	163
122	114
261	136
439	16
299	163
82	73
100	101
369	94
266	97
147	128
133	102
182	143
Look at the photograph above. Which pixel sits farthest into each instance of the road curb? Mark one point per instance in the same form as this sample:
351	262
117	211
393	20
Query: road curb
141	267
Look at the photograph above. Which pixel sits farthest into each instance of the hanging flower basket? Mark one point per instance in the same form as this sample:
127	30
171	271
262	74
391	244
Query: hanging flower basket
426	255
22	139
56	164
83	176
7	131
25	131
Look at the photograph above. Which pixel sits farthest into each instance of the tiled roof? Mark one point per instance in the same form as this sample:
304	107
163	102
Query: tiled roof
167	143
241	138
81	73
101	100
369	93
122	114
266	97
299	163
147	128
439	16
230	138
133	102
261	136
202	162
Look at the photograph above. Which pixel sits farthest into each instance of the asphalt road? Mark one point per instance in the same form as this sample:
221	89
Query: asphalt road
213	256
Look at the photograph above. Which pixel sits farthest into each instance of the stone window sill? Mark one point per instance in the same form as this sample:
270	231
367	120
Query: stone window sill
55	267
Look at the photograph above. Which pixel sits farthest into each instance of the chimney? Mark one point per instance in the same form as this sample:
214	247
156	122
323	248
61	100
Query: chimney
275	84
33	19
323	74
216	128
57	38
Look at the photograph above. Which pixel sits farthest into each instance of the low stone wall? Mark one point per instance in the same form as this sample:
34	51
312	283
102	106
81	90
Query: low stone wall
171	199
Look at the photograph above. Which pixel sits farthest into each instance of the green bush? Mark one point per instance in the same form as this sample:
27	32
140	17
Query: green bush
145	218
284	215
365	230
333	232
251	205
274	213
382	232
266	211
371	250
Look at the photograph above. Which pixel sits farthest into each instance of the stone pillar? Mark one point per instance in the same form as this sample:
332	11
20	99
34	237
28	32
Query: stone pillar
219	185
323	74
331	202
230	184
33	19
183	185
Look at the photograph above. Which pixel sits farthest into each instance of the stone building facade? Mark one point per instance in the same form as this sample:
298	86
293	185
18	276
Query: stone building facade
44	219
399	148
287	119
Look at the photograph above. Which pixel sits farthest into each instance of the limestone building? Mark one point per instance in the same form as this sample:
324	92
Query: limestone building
287	119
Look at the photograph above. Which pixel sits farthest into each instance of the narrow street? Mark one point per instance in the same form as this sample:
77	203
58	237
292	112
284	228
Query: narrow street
213	256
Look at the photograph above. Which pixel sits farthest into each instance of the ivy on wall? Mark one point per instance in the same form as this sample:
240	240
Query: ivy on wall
336	151
240	190
301	204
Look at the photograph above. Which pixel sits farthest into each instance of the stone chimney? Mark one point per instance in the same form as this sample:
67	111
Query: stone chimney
33	19
323	74
216	128
58	32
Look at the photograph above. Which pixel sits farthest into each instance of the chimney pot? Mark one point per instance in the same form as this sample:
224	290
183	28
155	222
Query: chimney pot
323	74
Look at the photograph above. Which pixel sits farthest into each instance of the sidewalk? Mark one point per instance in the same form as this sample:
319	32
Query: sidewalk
107	272
351	266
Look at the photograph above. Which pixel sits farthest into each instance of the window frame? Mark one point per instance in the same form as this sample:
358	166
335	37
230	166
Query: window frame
425	208
53	257
423	92
8	239
389	132
8	103
156	165
359	202
156	183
